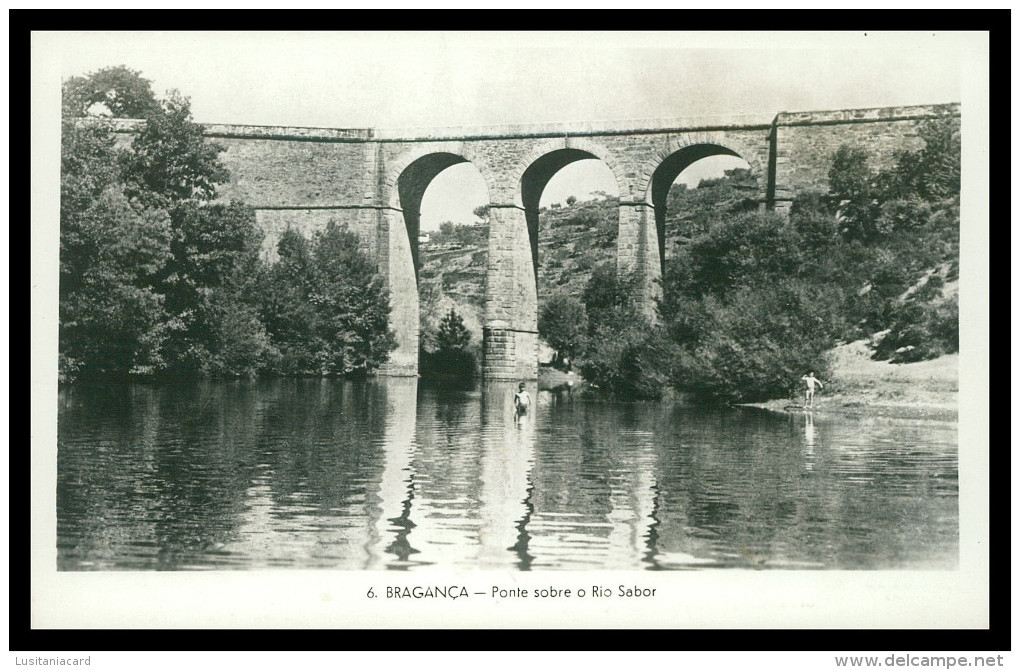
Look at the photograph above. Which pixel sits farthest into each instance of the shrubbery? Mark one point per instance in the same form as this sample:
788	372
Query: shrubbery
451	233
563	324
752	343
452	353
324	307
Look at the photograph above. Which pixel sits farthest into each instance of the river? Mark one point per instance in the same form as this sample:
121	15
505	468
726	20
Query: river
408	474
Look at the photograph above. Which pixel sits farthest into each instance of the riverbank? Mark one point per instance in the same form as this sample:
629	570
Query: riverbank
551	379
860	386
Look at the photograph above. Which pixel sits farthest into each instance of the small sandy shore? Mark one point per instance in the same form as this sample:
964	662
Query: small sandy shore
861	386
551	379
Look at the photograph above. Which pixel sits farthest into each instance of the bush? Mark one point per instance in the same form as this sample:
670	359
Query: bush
922	330
813	218
616	357
754	343
904	215
627	363
452	355
741	251
562	323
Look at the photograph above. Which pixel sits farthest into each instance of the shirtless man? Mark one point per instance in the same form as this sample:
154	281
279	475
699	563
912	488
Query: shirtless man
809	393
522	401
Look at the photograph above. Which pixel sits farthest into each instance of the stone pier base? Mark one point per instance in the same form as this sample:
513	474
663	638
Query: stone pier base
509	354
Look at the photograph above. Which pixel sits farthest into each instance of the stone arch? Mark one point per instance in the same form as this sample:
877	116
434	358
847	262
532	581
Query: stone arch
402	187
699	145
580	145
679	153
532	174
419	150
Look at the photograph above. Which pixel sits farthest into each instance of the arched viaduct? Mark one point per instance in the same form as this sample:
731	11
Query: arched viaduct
374	181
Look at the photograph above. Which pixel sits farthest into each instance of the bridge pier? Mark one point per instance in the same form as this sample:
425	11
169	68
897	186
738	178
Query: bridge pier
510	331
395	254
639	251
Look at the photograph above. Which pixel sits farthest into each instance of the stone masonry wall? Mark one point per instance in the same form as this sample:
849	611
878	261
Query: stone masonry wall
807	141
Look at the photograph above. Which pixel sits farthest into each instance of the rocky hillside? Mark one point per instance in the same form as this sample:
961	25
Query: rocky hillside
572	240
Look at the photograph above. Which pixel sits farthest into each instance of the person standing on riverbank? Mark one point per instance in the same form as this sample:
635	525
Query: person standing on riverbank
522	401
809	392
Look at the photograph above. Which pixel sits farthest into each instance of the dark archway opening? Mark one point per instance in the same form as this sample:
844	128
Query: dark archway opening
571	204
448	247
672	176
411	187
534	182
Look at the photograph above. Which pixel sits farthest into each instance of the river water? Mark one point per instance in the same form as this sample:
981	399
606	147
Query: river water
406	474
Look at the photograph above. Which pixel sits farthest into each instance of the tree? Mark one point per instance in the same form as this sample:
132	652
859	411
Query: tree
325	307
562	323
850	181
114	91
290	318
156	279
940	158
112	321
152	282
609	297
210	284
207	281
933	173
616	333
571	200
352	304
170	159
453	354
452	334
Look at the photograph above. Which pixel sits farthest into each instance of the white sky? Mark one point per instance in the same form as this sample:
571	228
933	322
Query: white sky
383	80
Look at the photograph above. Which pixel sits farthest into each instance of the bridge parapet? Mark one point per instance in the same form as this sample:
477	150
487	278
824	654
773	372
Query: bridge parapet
679	124
260	132
874	114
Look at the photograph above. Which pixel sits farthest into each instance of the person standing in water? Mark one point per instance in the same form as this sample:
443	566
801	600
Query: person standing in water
809	392
522	401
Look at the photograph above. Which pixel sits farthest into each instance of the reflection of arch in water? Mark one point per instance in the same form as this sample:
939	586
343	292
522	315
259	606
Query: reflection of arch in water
390	515
593	504
445	463
508	448
632	495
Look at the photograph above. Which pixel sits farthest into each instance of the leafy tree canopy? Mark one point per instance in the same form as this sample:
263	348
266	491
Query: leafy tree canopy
171	161
118	91
563	322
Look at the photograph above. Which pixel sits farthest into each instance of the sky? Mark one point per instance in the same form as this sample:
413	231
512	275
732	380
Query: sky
428	79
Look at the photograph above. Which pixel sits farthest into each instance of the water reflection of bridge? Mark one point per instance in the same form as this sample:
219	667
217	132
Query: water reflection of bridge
452	497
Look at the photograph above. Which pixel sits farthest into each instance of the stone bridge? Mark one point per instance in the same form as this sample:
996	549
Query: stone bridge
374	181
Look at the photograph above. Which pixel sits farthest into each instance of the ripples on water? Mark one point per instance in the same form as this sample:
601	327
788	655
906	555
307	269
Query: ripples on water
401	474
